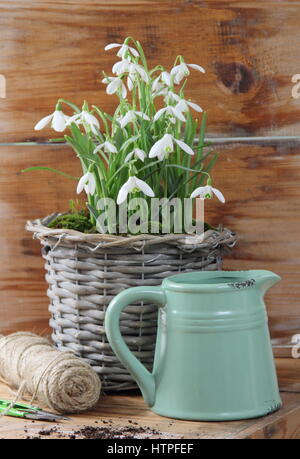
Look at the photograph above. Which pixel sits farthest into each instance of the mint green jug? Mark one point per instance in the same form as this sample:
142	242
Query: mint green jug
213	357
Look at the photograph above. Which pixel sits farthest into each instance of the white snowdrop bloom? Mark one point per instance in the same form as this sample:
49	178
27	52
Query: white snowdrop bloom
58	121
161	83
88	183
137	153
131	116
107	146
183	105
85	117
158	89
133	184
166	78
170	110
123	49
121	66
113	84
133	70
181	71
136	70
163	147
207	192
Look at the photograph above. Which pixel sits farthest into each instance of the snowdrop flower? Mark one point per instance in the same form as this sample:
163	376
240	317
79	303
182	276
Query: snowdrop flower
130	116
58	121
134	71
133	184
182	105
107	146
124	49
121	66
115	83
166	78
88	183
181	71
163	147
159	84
85	117
207	192
169	110
138	153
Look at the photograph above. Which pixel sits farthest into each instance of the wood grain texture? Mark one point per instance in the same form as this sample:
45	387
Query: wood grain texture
250	50
118	409
23	304
260	183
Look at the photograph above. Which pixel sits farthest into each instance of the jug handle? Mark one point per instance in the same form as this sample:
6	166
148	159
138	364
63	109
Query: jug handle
142	376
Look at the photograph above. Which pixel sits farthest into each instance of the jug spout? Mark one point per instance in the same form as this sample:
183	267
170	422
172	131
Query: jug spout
265	279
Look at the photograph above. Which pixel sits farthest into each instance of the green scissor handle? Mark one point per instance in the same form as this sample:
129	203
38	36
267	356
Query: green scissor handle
17	409
23	410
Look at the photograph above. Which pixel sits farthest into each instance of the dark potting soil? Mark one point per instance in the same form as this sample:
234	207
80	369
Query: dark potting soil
96	432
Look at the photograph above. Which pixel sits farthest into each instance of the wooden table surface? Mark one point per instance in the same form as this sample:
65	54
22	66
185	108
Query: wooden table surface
129	410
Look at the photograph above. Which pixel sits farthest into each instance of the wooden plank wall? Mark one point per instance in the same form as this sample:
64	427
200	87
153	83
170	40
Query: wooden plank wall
250	50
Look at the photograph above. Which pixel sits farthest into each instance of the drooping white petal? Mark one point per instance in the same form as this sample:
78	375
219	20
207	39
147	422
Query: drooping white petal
43	122
143	116
112	45
197	192
90	187
129	156
130	81
125	189
144	187
81	183
107	146
182	106
140	154
141	71
128	118
195	106
58	121
97	149
196	67
162	147
134	51
166	78
156	85
90	119
123	49
184	147
159	113
178	114
113	86
124	90
110	148
218	193
155	149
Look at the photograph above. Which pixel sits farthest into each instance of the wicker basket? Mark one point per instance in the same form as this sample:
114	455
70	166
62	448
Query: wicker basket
85	271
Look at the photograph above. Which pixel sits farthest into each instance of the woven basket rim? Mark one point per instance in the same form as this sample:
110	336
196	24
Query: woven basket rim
212	237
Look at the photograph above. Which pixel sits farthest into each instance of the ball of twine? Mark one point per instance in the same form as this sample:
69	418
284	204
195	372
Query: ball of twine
29	363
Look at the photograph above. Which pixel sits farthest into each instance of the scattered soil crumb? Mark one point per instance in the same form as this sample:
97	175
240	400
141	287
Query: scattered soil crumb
94	433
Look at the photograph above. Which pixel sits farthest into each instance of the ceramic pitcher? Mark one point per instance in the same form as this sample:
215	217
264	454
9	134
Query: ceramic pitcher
213	357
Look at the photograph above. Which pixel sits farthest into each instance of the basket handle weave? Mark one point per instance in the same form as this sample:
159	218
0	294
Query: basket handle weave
142	376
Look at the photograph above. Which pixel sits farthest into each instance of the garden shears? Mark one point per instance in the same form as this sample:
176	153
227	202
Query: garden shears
22	410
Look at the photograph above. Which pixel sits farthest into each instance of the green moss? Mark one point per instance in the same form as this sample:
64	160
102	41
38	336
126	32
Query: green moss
78	221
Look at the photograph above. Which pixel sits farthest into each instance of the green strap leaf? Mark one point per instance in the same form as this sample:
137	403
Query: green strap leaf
42	168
